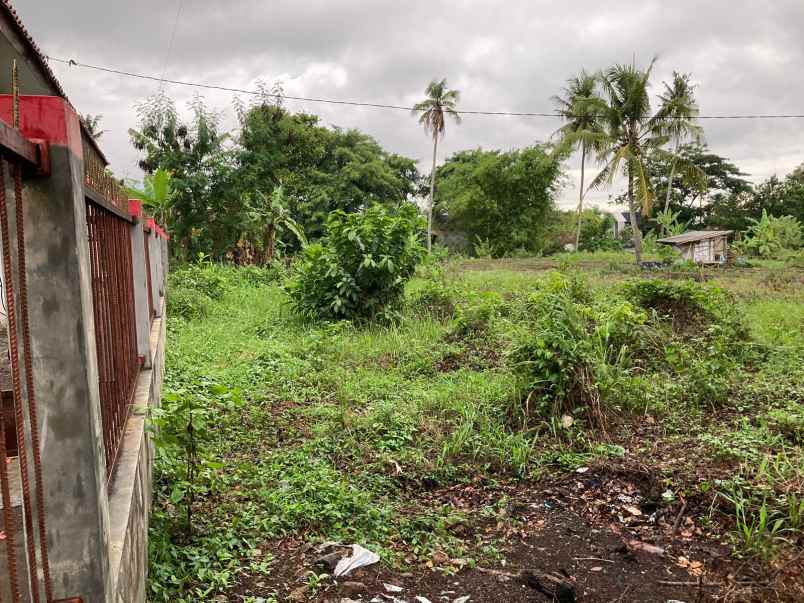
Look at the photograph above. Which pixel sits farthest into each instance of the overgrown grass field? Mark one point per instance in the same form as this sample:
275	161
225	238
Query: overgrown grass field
499	374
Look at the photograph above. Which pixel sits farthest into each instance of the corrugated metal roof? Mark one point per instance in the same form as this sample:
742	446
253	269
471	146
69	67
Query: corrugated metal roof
695	235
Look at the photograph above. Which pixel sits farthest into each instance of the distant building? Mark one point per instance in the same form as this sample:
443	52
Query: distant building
701	246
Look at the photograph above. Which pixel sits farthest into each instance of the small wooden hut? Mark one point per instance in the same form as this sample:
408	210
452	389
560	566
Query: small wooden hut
701	246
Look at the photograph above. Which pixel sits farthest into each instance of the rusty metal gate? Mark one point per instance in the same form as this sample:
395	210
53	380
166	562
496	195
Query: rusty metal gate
115	329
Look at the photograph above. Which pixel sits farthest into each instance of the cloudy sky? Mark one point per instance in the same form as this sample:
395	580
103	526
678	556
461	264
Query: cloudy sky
745	56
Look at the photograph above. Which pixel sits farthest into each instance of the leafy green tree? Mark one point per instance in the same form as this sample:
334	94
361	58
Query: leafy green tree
668	221
598	232
202	211
768	235
432	112
693	202
503	199
320	169
776	196
582	108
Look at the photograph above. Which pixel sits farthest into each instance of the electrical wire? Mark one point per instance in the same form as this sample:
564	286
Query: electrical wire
74	63
170	46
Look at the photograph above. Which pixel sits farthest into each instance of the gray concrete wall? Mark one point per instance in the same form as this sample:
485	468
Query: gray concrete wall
130	495
66	378
96	529
155	252
143	318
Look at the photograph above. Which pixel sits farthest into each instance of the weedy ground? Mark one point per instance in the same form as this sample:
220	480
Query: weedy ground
660	457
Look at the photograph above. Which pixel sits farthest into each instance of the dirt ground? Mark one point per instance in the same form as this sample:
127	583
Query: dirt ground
599	531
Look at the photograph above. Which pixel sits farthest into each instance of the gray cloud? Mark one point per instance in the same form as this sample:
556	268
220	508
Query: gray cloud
743	55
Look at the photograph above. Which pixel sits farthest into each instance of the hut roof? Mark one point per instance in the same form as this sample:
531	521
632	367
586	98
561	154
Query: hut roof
694	236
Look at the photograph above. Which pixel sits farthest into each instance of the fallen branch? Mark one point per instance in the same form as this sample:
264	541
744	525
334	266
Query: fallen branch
678	519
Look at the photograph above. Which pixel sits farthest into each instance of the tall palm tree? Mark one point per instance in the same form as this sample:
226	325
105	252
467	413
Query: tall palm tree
432	112
680	109
582	108
632	133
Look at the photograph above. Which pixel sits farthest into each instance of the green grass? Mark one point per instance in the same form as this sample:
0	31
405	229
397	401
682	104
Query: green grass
332	431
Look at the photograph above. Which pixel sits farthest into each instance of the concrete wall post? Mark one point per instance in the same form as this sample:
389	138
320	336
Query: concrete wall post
141	306
155	251
65	370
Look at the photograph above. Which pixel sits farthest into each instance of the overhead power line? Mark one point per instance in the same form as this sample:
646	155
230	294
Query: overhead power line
74	63
170	45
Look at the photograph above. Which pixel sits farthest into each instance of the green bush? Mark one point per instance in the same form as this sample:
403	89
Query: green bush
691	308
359	269
683	302
556	357
769	235
473	318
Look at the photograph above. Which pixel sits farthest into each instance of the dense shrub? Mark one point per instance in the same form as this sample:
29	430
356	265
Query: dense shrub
187	303
593	355
359	269
769	235
597	232
691	308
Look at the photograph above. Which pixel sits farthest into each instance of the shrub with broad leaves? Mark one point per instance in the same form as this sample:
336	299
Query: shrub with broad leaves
359	269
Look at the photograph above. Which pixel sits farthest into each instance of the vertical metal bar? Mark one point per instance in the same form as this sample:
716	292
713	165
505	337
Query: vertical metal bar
29	384
8	517
17	387
15	378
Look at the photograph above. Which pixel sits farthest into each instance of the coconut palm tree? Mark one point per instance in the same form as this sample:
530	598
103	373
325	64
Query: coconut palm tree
432	113
633	132
679	108
582	109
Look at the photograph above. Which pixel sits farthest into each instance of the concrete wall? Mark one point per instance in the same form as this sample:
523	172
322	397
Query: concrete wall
130	494
96	528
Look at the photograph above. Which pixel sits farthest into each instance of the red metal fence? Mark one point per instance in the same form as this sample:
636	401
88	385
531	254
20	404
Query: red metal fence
115	329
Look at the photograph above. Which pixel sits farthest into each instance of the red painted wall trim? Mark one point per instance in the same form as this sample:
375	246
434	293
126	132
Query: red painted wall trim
135	209
49	118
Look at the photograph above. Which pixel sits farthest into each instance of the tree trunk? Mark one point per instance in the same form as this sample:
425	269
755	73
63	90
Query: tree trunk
580	198
635	232
270	242
670	185
432	192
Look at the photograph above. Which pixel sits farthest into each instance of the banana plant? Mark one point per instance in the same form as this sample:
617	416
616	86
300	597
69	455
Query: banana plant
270	216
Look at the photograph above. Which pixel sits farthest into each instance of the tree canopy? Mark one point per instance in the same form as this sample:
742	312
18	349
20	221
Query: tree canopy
215	175
502	198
